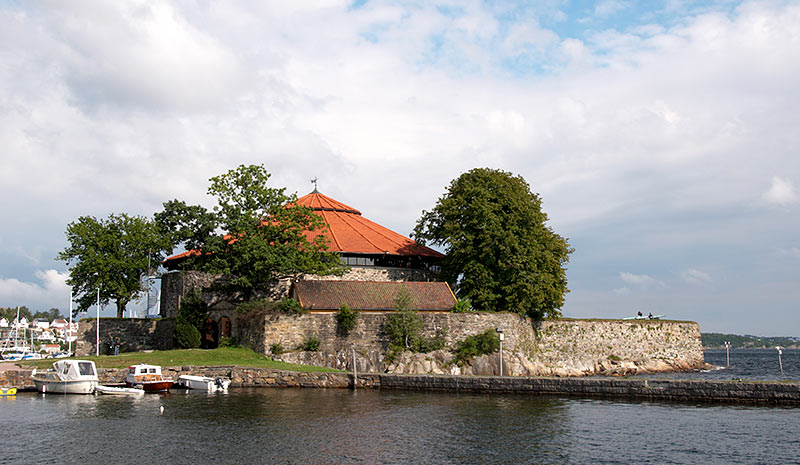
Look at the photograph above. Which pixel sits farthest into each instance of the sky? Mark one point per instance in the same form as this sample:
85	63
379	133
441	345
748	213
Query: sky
661	136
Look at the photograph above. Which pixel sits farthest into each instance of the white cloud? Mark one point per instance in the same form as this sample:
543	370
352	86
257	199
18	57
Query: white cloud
51	291
693	276
781	192
641	281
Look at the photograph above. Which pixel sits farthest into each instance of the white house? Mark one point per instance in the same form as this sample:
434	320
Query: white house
3	323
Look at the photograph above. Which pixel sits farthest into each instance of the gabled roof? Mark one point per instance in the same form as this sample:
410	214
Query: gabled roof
325	295
350	232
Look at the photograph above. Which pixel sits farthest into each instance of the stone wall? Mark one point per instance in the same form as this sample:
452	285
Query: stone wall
561	347
176	284
766	393
134	334
375	273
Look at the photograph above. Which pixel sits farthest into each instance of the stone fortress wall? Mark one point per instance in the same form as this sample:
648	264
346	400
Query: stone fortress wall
562	347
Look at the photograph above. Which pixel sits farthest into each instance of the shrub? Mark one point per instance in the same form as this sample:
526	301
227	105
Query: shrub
226	341
311	344
193	310
258	304
473	346
276	348
461	306
290	306
403	325
614	358
346	320
426	345
186	336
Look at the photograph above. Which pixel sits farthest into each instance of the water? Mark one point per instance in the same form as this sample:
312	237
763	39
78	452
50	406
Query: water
310	426
746	364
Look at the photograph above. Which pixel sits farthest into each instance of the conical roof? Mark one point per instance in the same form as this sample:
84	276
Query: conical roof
349	232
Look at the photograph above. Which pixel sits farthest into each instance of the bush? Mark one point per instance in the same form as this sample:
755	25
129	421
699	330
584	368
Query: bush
403	325
473	346
258	304
290	306
425	345
226	341
193	310
276	348
311	344
461	306
346	320
186	336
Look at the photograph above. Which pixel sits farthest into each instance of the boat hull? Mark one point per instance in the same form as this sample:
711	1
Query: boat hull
152	386
64	387
119	391
203	383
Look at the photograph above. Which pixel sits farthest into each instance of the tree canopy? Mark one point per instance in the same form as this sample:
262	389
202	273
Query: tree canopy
501	255
111	255
255	234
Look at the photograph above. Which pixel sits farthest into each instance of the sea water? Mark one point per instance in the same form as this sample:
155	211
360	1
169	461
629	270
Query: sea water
321	426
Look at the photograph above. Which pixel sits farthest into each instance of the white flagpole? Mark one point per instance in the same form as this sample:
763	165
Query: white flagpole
69	328
97	344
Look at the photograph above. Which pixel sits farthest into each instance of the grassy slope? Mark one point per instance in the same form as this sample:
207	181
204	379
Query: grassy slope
196	357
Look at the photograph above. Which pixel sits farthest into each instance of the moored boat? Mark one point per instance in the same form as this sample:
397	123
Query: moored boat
120	391
67	377
147	377
204	383
8	391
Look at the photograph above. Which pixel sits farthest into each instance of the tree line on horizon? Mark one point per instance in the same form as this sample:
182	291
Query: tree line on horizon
500	254
10	313
717	341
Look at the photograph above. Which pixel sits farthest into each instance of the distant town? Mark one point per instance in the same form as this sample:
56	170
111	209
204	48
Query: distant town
36	335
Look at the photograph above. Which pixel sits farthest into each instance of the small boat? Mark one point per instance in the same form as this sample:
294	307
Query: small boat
8	391
67	377
147	377
120	391
203	383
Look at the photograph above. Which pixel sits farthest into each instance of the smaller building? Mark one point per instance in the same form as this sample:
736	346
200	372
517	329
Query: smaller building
372	296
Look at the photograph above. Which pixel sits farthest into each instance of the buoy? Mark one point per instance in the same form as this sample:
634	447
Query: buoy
162	409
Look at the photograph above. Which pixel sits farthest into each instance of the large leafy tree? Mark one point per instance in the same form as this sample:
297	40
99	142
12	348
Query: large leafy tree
255	234
501	255
113	255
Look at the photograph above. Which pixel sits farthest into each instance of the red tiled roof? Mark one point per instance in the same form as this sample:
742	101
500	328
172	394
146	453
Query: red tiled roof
372	295
350	232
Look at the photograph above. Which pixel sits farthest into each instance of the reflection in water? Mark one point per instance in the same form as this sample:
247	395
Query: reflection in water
340	426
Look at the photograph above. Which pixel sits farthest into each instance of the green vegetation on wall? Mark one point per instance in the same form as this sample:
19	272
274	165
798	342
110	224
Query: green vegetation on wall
346	320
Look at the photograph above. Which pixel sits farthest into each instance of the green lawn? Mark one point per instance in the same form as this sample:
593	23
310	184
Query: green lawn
196	357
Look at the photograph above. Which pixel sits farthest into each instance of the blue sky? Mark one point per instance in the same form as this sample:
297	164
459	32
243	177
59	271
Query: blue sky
661	136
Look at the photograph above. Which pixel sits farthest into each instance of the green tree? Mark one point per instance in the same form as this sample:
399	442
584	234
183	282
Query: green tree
501	255
112	255
404	324
256	234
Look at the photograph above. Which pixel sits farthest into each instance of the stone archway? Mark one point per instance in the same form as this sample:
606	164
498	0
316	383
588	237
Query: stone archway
210	335
224	327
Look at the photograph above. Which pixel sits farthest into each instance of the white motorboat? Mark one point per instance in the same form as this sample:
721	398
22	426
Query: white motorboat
203	383
67	377
147	377
119	391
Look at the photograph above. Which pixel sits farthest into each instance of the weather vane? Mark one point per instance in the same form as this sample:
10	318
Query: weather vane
314	181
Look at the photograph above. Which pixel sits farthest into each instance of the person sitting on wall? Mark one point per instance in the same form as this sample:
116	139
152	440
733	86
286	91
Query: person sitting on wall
650	316
639	313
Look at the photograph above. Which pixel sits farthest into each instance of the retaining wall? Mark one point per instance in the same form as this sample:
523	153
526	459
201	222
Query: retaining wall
739	392
562	347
